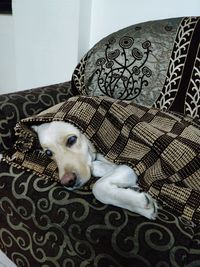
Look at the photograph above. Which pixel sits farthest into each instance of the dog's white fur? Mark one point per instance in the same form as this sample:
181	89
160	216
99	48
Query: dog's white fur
77	161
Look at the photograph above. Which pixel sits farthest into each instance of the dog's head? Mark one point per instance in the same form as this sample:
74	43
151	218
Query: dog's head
70	149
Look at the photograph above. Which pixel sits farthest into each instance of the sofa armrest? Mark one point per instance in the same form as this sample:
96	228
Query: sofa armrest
15	106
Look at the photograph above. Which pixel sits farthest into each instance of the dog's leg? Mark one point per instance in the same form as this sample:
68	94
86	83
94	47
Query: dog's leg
113	189
102	167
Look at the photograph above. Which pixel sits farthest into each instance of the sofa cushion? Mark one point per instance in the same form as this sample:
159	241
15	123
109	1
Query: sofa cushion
152	63
130	63
44	224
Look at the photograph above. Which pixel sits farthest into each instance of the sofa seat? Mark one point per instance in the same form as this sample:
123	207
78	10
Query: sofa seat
43	224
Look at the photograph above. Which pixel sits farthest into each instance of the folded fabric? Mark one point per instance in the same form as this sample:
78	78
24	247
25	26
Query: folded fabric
163	148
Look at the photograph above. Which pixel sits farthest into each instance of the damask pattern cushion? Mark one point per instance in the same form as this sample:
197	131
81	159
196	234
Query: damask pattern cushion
128	64
154	63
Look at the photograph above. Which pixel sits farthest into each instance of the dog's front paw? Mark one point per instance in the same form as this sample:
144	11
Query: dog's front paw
150	207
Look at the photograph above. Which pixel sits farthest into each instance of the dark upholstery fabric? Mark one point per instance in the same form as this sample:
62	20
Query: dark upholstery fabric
15	106
43	224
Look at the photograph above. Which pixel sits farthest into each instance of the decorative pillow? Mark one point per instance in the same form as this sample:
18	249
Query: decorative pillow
128	64
152	63
162	148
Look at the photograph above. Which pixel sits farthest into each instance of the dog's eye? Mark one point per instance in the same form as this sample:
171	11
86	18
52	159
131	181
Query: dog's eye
49	153
71	140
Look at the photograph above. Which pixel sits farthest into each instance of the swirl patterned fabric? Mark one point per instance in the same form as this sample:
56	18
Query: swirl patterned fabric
43	224
16	106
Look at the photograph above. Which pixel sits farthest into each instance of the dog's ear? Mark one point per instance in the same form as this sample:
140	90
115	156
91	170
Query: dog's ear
35	128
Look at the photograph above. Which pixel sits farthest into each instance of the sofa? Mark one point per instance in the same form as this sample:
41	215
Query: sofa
155	63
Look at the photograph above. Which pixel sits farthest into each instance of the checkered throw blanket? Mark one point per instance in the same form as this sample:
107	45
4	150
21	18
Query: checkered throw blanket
161	147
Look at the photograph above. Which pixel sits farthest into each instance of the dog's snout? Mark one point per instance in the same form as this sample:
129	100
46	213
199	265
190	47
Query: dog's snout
68	179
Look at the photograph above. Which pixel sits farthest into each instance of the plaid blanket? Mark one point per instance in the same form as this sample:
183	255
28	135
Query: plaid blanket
162	148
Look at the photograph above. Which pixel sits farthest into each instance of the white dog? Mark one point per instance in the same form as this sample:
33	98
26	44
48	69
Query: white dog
77	161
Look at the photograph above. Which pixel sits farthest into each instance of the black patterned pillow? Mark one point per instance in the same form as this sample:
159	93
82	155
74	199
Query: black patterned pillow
129	64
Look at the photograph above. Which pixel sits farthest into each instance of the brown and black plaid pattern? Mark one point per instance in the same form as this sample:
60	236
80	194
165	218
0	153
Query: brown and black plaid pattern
161	147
